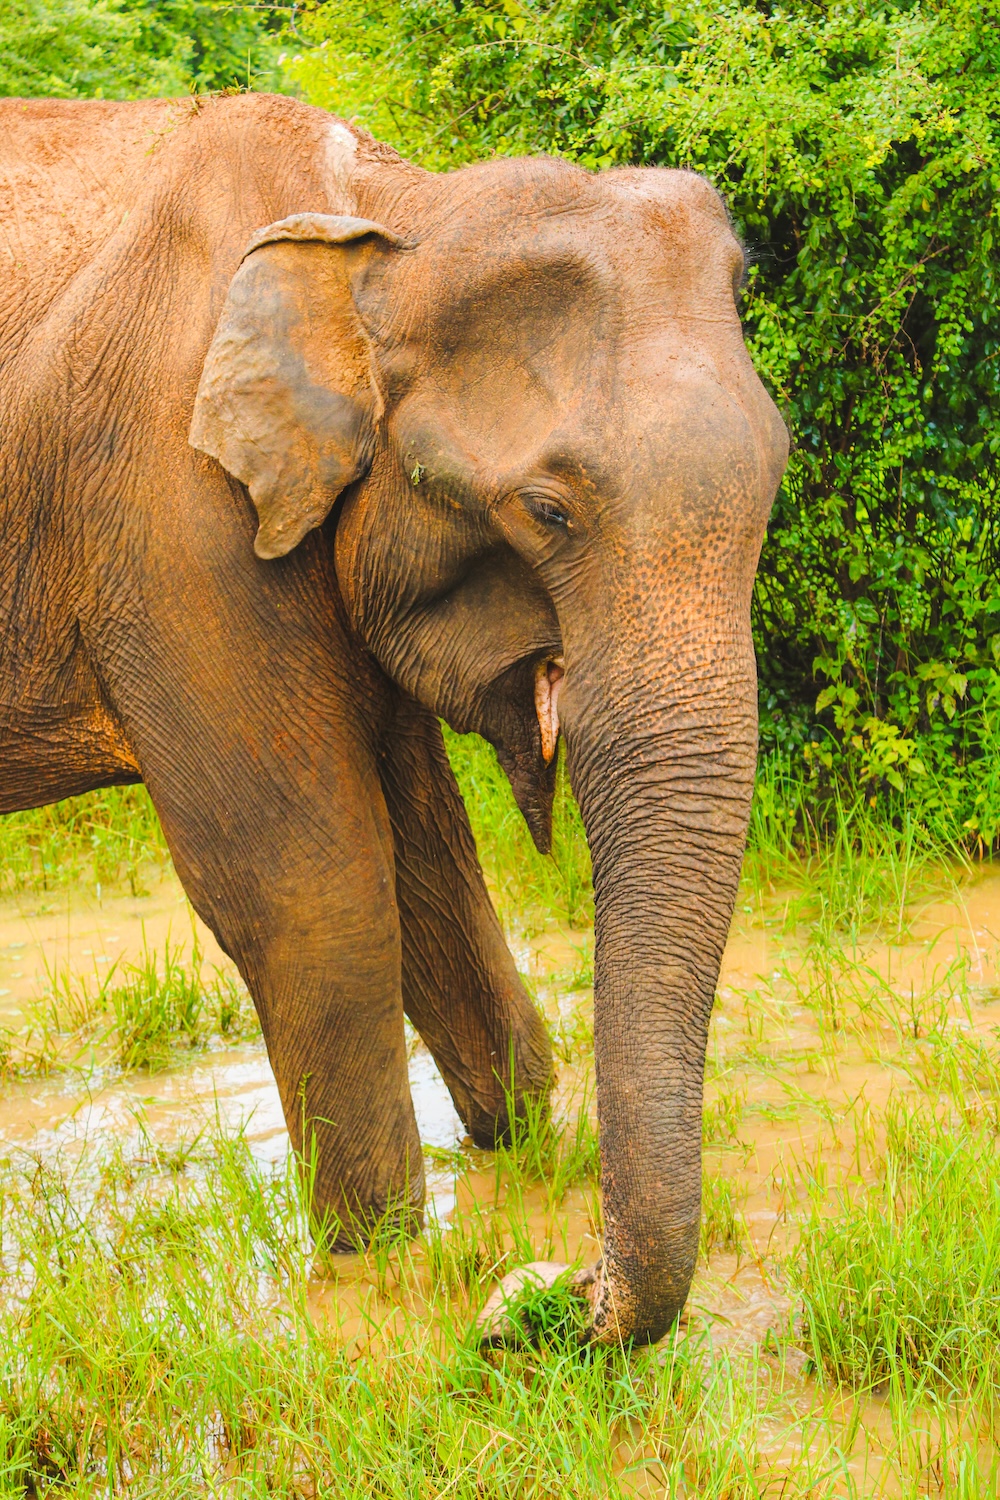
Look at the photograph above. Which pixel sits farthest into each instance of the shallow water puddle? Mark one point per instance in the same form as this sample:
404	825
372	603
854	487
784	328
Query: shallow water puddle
79	935
766	1051
46	936
41	940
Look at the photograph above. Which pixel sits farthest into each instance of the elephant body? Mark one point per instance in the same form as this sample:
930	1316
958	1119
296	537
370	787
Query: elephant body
503	458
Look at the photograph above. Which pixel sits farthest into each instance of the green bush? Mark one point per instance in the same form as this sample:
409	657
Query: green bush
856	144
125	49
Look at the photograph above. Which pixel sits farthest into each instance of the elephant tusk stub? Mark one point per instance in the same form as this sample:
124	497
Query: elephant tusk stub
548	676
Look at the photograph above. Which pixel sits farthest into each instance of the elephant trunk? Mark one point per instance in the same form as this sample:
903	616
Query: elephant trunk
663	772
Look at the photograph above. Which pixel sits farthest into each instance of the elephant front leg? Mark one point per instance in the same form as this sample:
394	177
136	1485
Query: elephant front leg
298	887
338	1051
460	987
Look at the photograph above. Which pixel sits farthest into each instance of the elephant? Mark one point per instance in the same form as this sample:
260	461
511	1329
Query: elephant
307	449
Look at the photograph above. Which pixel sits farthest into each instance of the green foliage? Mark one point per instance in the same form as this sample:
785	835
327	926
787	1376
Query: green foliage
126	49
856	143
212	44
550	1149
76	48
722	1226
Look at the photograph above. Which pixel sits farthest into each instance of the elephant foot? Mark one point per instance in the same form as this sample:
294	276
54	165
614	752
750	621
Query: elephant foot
537	1302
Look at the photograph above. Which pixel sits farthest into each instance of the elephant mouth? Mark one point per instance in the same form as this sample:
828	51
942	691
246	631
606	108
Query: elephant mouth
519	715
549	673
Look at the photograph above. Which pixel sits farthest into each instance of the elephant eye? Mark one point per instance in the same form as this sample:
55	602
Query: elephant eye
547	511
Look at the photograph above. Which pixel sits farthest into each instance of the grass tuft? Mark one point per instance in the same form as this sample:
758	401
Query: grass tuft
160	1004
904	1283
722	1226
557	1150
554	1316
105	838
136	1018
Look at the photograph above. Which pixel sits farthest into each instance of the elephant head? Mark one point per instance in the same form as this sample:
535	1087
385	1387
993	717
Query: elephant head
525	389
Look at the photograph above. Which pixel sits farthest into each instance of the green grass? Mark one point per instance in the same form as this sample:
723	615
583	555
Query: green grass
722	1117
159	1003
159	1332
108	838
136	1017
965	1071
160	1336
903	1283
857	870
528	886
158	1339
557	1151
553	1316
722	1226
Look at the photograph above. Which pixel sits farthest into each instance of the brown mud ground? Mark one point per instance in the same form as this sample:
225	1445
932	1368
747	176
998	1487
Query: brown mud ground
805	1050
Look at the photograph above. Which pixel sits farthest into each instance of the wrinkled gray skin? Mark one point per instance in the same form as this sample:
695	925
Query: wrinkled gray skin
516	401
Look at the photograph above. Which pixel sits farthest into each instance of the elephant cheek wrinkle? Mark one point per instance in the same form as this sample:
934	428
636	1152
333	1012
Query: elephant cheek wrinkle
548	678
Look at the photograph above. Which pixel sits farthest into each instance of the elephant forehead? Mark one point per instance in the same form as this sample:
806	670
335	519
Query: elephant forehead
512	253
604	403
513	203
496	384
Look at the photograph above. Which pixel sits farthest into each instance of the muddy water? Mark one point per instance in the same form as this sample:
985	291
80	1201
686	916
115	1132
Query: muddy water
77	935
766	1047
793	1080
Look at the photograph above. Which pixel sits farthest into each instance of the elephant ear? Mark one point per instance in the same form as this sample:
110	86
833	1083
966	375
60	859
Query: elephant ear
287	401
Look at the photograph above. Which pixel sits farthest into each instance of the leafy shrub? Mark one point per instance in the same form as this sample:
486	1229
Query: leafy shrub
126	49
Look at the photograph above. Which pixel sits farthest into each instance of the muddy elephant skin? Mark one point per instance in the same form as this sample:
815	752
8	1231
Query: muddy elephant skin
303	447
